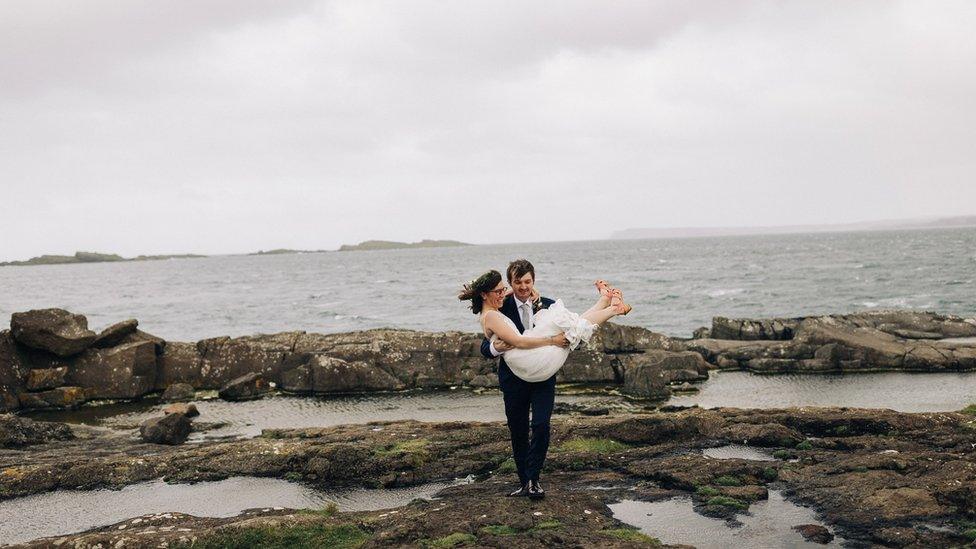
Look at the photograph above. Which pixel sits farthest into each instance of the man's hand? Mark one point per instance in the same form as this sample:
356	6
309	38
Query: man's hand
501	346
560	340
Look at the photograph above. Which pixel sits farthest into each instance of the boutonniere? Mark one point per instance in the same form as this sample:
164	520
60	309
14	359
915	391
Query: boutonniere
536	305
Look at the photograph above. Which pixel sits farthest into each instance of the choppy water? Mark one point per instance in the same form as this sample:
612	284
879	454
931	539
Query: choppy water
675	285
69	511
768	524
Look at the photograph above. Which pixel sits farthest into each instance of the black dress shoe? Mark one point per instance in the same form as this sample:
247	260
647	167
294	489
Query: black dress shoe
522	491
535	490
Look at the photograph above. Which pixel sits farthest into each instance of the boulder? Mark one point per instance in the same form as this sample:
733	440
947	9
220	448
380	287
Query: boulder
53	330
645	379
814	533
46	378
17	432
246	387
59	397
181	363
178	392
125	371
188	410
334	375
484	381
138	336
170	429
745	329
13	372
114	334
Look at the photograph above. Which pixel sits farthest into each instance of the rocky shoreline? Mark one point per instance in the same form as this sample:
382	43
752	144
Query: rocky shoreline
50	359
876	477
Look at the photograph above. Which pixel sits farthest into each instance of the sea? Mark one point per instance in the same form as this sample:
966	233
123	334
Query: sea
674	285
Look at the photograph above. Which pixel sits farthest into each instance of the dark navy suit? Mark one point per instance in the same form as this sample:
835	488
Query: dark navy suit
521	396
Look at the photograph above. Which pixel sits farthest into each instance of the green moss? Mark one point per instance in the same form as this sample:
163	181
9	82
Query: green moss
725	501
782	454
416	451
805	445
454	540
629	534
293	476
860	469
327	511
969	410
770	474
548	525
592	445
727	480
339	536
499	530
707	491
507	466
842	430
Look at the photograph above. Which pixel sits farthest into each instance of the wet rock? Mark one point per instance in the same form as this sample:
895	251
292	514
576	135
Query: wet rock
13	372
124	371
138	336
17	432
765	435
59	397
484	381
648	374
114	334
814	533
53	330
334	375
181	363
46	378
743	329
246	387
188	410
170	429
178	392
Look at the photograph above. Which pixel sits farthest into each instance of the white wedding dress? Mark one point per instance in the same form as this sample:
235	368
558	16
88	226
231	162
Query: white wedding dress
540	363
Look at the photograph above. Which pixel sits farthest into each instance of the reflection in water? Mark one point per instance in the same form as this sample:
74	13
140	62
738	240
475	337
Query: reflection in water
738	451
768	524
247	419
69	511
904	392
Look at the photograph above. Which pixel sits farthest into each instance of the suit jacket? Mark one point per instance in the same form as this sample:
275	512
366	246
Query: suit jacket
510	310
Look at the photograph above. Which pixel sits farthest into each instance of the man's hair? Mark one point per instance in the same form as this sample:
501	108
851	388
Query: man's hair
518	268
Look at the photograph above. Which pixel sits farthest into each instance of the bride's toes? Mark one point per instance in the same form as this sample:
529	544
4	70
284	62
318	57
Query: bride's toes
616	296
622	308
602	287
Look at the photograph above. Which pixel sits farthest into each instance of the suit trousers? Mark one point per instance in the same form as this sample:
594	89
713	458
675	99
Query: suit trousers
521	398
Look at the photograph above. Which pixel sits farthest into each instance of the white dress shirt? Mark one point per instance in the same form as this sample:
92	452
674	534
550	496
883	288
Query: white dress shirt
518	309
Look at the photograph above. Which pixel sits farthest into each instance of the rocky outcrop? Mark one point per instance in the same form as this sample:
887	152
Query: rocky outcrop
18	432
874	476
178	392
125	371
650	374
54	330
114	334
246	387
171	429
869	341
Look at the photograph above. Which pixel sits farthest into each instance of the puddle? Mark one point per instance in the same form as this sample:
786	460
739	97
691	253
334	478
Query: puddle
738	451
248	418
674	521
904	392
69	511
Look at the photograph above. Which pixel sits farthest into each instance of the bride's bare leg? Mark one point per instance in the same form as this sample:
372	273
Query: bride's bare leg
601	303
599	316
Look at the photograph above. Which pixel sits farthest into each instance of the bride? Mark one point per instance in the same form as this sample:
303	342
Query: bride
536	355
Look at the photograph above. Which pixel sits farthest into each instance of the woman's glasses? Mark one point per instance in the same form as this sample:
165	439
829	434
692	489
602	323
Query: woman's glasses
499	292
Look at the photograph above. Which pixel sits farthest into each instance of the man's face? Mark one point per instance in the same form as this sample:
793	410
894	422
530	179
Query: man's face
522	286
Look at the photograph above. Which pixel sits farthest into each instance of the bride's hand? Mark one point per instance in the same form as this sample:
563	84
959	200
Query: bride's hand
534	296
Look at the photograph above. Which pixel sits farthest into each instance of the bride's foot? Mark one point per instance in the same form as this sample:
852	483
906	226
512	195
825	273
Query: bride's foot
617	302
602	287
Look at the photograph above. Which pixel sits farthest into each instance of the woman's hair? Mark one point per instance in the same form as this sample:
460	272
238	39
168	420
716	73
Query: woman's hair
472	290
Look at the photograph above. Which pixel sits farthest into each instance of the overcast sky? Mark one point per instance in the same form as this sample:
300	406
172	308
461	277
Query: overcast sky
219	126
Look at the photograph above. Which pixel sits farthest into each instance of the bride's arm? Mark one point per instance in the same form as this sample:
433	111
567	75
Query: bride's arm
498	326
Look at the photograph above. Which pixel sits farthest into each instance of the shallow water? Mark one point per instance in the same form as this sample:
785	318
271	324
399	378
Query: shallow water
69	511
928	392
675	285
247	419
769	523
738	451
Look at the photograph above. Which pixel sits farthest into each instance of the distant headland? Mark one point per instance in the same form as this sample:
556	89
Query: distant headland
391	245
884	225
91	257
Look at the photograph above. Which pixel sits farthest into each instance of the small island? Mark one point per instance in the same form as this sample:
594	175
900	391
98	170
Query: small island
391	245
90	257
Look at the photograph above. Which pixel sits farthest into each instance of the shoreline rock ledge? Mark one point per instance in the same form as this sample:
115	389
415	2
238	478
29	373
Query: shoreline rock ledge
50	359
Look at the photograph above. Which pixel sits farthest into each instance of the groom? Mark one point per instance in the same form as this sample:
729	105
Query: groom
522	396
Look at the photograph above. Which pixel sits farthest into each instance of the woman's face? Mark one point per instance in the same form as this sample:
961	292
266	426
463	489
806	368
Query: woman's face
496	297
